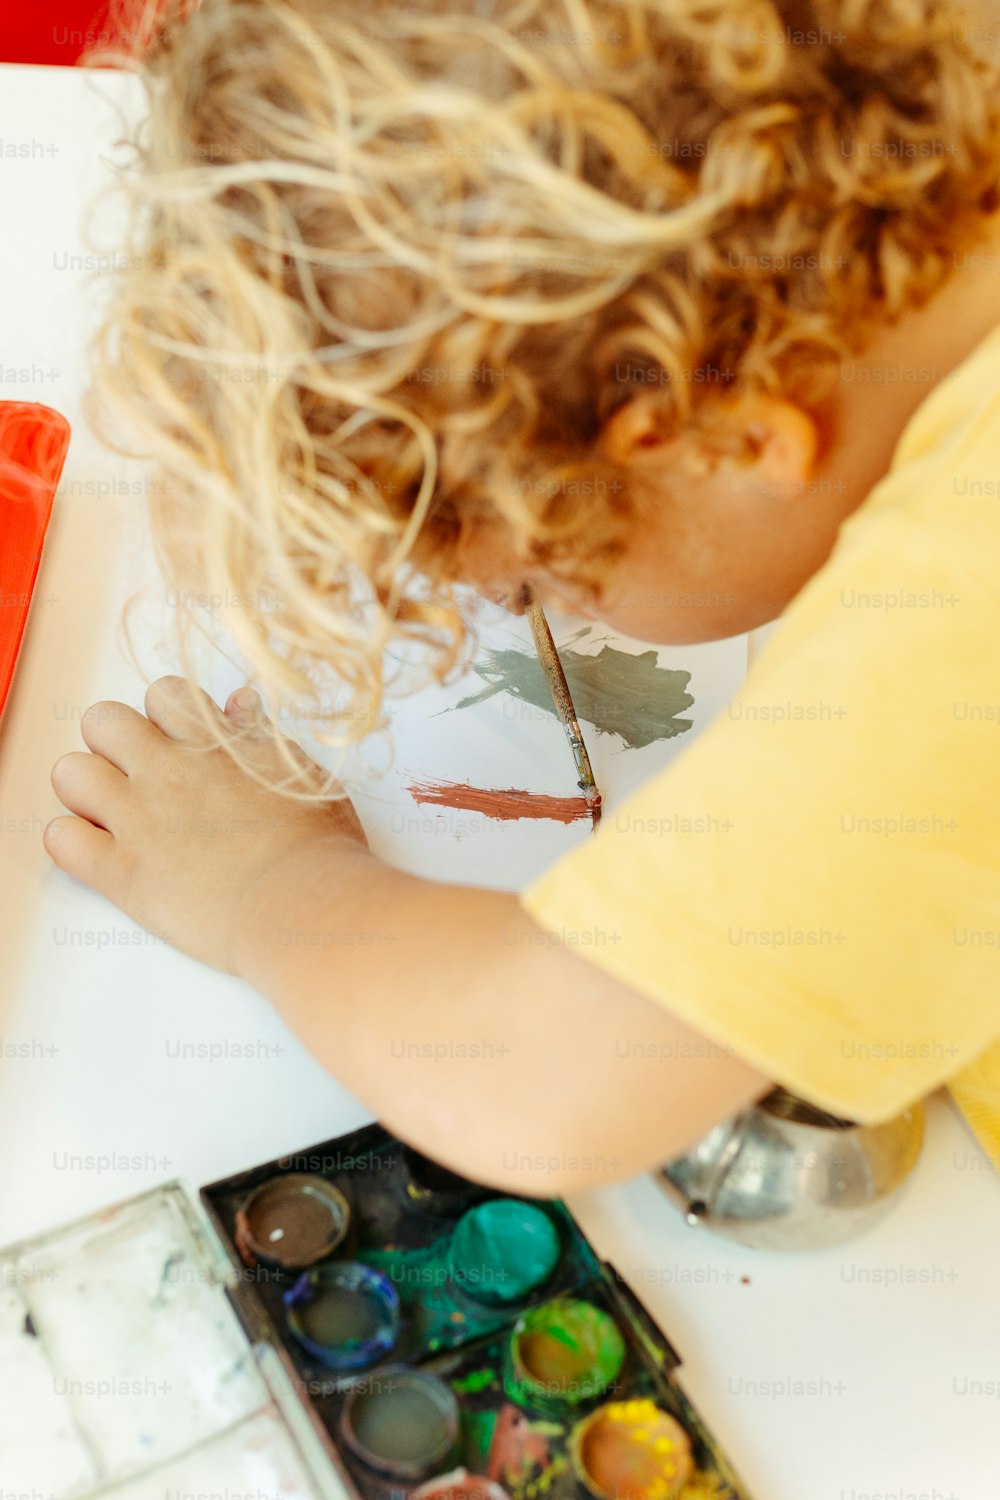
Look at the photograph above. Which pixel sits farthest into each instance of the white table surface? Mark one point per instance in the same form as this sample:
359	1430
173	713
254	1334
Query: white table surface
872	1370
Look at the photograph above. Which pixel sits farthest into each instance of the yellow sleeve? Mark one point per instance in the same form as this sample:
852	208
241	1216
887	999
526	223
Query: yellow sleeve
816	882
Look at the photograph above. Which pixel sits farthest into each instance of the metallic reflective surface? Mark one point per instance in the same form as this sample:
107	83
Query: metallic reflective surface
785	1176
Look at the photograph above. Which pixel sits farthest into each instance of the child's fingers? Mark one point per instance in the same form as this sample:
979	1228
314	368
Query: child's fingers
119	733
245	711
245	707
170	706
82	850
89	786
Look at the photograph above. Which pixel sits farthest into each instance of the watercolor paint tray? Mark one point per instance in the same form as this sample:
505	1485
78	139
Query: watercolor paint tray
150	1348
404	1212
401	1228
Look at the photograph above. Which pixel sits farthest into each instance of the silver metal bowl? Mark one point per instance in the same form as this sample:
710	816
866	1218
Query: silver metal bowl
784	1175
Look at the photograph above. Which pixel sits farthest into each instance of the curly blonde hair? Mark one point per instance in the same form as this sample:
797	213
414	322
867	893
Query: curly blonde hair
392	267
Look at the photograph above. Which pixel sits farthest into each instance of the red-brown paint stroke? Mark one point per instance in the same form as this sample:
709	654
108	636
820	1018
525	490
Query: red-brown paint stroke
505	806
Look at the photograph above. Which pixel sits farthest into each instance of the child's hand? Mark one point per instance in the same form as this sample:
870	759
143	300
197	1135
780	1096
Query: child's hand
169	828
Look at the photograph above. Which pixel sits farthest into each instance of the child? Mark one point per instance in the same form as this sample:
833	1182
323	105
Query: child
734	268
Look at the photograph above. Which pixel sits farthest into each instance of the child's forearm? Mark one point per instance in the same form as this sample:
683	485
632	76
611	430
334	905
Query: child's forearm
488	1043
447	1010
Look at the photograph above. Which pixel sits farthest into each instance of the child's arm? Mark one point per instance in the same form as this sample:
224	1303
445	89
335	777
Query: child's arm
466	1027
447	1010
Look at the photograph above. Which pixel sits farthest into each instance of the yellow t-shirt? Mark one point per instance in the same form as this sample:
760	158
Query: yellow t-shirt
816	882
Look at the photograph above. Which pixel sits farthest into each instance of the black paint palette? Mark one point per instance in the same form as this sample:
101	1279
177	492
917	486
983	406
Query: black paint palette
451	1343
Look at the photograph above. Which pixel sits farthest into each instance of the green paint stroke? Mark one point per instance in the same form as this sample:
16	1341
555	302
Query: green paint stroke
631	696
478	1428
474	1382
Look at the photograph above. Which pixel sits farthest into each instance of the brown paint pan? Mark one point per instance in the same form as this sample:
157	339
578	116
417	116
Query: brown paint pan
292	1222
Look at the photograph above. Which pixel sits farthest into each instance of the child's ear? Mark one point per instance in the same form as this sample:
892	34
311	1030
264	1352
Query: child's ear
780	438
636	430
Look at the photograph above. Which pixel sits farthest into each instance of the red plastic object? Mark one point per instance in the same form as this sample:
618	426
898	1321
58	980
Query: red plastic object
33	444
53	31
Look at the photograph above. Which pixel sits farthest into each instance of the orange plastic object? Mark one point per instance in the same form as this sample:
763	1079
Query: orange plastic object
33	444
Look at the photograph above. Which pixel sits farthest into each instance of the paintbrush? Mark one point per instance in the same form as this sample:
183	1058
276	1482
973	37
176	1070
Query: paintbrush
548	655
